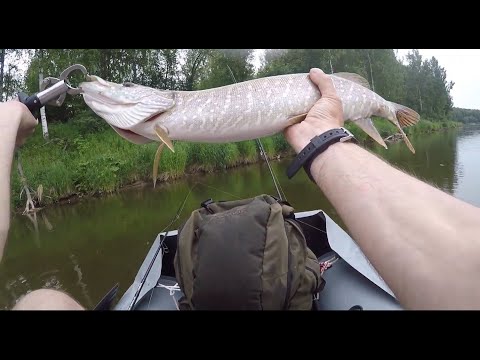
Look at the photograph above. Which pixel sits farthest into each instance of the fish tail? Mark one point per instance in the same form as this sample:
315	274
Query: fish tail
405	117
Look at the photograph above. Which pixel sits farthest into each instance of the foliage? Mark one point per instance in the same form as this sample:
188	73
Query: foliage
84	155
420	83
466	115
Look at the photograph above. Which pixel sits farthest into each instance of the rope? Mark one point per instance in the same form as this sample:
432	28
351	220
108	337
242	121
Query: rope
325	265
171	288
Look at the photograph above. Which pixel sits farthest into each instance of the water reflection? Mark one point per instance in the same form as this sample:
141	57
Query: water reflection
434	160
467	168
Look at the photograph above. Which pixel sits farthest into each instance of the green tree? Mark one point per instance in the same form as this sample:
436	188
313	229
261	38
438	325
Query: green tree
466	115
2	66
427	90
384	73
290	61
11	74
158	68
218	63
194	66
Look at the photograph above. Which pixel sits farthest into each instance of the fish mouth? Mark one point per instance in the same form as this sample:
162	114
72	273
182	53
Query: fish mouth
94	91
99	97
95	82
119	114
125	107
103	106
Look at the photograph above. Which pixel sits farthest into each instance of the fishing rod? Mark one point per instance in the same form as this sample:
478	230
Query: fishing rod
330	59
278	187
160	245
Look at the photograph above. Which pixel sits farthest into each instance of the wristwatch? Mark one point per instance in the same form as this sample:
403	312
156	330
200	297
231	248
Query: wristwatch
315	147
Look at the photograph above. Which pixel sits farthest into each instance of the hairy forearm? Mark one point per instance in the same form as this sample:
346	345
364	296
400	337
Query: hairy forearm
8	133
423	242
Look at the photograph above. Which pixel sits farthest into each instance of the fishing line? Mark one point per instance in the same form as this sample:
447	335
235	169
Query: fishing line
262	151
272	173
214	188
316	228
175	218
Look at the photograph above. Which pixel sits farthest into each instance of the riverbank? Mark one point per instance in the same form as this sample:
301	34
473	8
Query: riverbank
86	158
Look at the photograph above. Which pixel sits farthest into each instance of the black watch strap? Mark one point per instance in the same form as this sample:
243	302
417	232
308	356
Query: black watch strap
316	146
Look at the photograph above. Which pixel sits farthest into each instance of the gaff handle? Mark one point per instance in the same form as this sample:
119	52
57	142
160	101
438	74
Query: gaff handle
53	95
32	102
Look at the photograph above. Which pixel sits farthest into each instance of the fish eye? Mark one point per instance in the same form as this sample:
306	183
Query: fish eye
128	84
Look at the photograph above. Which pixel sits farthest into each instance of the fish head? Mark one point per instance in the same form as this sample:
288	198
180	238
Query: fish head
125	106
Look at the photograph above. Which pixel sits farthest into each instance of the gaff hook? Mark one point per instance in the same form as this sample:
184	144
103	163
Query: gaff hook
53	90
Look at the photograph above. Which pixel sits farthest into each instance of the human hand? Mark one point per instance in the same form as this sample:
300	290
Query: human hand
18	113
326	114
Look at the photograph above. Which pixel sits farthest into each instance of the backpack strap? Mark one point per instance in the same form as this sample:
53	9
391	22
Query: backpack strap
287	210
205	204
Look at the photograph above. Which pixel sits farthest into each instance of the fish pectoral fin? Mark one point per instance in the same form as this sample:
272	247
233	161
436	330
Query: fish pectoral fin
296	119
354	77
131	136
366	125
163	136
156	162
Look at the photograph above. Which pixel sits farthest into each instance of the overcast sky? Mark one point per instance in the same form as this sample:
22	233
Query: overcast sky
461	67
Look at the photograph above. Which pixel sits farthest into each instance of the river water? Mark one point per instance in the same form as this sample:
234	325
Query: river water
88	247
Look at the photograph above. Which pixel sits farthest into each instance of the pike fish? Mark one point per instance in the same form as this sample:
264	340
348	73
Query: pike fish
242	111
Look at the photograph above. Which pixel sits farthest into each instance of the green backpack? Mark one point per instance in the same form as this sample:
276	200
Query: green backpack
247	254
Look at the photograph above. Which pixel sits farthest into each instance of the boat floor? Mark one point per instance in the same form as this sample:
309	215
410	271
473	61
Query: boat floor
345	287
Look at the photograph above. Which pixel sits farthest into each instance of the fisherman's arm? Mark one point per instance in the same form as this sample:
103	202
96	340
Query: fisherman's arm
16	124
423	242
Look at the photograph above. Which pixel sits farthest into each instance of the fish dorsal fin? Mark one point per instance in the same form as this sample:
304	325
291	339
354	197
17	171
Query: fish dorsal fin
354	77
163	136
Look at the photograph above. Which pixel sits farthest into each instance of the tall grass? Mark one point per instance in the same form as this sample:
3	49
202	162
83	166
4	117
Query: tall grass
83	157
248	151
209	157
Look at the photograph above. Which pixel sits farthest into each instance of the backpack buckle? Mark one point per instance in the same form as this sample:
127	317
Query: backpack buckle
205	205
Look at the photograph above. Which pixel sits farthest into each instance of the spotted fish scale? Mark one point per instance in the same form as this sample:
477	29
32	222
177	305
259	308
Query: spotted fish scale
237	112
